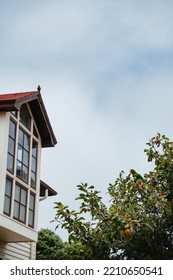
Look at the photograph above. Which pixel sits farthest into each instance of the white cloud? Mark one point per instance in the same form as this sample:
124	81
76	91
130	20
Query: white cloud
105	68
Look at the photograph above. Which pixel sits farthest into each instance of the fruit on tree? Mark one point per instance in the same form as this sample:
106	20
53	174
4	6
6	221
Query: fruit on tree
127	231
157	141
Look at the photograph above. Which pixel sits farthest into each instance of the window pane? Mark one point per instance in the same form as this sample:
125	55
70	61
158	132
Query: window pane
31	202
23	197
19	153
31	210
34	149
26	142
35	132
16	210
12	129
14	113
25	116
20	204
19	170
33	179
8	187
7	204
25	174
10	161
17	193
22	213
31	218
11	146
20	137
34	164
25	158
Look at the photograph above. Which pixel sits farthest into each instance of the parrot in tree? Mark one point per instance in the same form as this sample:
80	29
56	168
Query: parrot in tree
136	176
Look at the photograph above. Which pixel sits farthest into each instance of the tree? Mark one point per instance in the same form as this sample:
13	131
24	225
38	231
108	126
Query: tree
49	246
137	223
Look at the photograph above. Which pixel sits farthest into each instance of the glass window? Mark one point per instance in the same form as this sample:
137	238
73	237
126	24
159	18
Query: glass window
10	163
23	156
11	146
23	197
22	162
16	210
34	149
11	143
34	164
14	113
20	200
26	142
22	213
17	193
25	117
20	140
12	129
8	195
35	132
31	210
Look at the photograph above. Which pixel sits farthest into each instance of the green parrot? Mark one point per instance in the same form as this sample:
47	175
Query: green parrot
136	176
39	88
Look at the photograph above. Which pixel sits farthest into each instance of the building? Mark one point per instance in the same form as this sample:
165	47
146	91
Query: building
24	130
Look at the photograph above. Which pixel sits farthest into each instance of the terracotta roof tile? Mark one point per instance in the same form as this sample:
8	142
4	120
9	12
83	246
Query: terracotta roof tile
15	96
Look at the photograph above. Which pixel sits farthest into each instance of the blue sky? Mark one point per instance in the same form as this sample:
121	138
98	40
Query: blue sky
105	68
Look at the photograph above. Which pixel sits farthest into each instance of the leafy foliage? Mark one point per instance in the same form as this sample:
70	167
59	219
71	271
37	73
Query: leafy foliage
137	224
49	246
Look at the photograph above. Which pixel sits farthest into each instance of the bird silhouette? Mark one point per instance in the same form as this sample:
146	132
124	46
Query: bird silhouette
39	88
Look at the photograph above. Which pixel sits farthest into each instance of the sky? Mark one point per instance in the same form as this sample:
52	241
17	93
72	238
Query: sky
105	68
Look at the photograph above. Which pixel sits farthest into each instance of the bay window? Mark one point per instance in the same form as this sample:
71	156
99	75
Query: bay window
22	165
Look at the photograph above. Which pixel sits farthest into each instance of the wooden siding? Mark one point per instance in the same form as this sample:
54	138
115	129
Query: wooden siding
17	251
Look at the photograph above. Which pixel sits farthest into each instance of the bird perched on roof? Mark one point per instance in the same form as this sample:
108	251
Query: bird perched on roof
39	88
136	176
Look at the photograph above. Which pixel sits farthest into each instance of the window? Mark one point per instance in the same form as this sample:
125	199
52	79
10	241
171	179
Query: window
25	117
8	195
34	164
20	200
23	156
14	113
35	132
22	167
11	147
31	210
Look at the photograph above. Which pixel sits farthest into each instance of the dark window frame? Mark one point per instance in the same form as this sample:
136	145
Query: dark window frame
25	117
34	158
6	196
24	152
31	211
20	204
23	147
11	155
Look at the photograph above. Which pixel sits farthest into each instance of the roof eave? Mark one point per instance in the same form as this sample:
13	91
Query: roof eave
38	109
44	186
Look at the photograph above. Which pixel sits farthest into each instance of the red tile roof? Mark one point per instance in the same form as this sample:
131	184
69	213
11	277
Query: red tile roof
15	96
13	102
